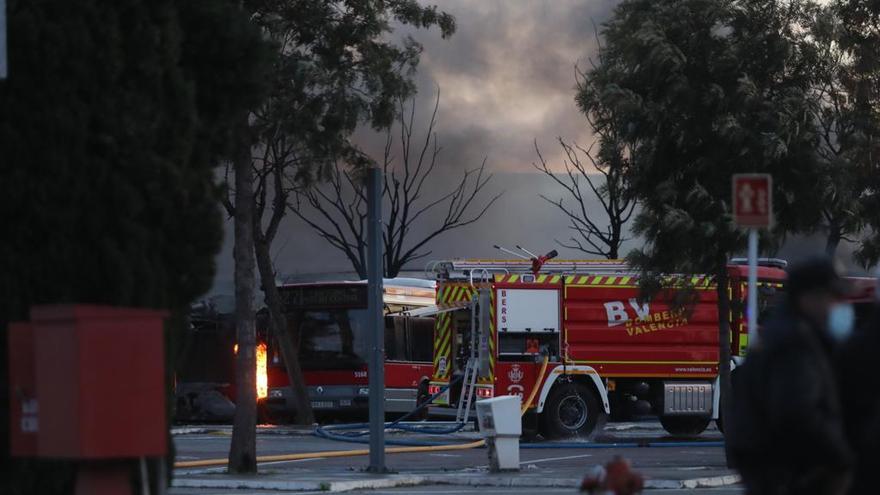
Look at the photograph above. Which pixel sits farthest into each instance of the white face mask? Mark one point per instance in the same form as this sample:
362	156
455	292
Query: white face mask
841	319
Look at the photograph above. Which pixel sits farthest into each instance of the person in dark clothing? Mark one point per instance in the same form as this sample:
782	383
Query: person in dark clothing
859	382
786	434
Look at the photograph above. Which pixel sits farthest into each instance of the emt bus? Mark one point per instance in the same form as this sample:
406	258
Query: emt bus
328	321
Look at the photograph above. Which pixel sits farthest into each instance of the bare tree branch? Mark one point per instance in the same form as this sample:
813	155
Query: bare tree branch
337	210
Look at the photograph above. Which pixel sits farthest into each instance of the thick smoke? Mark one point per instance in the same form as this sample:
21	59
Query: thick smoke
506	79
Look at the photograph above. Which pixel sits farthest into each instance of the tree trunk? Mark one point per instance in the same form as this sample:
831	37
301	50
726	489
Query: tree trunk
242	451
721	278
834	237
278	325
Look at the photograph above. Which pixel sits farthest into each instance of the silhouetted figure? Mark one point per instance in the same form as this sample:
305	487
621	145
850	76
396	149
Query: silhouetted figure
859	381
786	432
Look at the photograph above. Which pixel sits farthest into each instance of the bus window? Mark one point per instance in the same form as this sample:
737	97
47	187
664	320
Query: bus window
395	338
331	338
420	339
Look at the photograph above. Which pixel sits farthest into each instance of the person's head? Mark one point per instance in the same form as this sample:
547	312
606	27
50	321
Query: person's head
817	293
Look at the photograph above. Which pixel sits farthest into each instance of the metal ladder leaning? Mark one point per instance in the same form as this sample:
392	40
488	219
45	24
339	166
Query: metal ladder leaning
468	388
471	370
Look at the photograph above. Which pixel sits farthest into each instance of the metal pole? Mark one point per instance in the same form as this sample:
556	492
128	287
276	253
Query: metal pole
752	304
376	367
4	64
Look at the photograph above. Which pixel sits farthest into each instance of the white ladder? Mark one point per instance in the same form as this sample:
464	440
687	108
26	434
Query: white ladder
468	388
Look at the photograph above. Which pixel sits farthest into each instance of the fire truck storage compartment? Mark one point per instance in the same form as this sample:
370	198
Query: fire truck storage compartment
528	310
528	323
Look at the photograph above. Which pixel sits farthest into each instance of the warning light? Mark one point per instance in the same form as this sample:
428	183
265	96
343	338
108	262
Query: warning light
484	393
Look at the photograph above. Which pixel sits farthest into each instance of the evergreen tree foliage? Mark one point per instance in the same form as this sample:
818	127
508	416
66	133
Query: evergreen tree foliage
860	21
111	123
704	89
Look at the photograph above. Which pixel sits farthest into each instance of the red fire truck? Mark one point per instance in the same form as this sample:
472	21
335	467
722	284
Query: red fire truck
608	351
329	321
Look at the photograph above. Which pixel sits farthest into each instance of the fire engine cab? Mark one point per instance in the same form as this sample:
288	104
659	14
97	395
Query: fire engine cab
606	350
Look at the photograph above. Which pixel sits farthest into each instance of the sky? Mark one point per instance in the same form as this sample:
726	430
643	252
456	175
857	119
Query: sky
506	80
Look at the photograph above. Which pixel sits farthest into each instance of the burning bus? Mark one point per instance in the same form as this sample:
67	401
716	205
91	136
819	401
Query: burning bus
328	321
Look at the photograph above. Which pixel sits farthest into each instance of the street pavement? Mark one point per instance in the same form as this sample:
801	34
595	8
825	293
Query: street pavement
550	466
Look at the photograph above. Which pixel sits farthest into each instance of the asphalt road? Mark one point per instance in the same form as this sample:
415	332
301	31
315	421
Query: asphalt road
547	462
450	490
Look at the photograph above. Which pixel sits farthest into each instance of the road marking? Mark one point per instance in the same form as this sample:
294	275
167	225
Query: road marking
445	455
557	458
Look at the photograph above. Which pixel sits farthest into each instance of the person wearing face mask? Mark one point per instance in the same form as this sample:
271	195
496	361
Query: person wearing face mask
859	382
789	435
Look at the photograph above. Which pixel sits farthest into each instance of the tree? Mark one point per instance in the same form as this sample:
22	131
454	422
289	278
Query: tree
590	236
835	113
113	116
860	20
338	211
334	69
705	89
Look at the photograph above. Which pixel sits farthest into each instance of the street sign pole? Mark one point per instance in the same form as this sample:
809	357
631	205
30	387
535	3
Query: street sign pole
753	287
376	367
4	71
753	209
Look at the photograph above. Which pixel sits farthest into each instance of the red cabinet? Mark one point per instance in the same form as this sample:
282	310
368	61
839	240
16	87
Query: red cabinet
88	382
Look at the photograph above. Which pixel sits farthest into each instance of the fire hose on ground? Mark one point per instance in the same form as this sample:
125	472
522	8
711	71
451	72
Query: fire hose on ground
412	446
360	452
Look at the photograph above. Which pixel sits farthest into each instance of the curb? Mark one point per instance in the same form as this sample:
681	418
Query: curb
301	486
449	480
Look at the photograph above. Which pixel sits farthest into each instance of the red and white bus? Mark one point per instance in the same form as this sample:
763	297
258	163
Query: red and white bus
328	321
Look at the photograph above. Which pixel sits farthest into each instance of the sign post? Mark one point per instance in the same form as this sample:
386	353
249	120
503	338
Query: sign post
376	364
753	208
4	71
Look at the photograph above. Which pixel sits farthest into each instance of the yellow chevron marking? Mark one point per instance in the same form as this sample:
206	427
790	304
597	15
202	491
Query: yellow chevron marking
596	281
554	279
625	280
569	279
582	280
541	279
611	281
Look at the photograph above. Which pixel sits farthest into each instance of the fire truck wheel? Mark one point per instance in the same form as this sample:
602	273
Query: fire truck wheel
685	425
572	410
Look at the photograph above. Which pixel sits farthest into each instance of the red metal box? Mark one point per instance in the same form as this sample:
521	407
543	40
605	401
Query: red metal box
100	381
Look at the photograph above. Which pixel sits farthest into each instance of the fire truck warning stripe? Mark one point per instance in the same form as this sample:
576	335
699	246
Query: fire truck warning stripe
646	362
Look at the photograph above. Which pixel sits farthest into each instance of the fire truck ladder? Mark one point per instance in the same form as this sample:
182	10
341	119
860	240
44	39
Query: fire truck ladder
469	269
471	370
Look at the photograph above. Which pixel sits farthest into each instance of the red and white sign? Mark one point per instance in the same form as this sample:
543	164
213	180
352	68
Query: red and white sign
753	200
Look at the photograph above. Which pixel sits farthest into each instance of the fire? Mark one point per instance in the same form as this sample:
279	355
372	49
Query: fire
262	377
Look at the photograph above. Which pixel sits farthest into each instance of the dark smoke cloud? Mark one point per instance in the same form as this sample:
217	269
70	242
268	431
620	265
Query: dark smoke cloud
506	79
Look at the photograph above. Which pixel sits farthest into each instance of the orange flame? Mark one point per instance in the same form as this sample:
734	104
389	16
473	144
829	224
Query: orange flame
262	377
